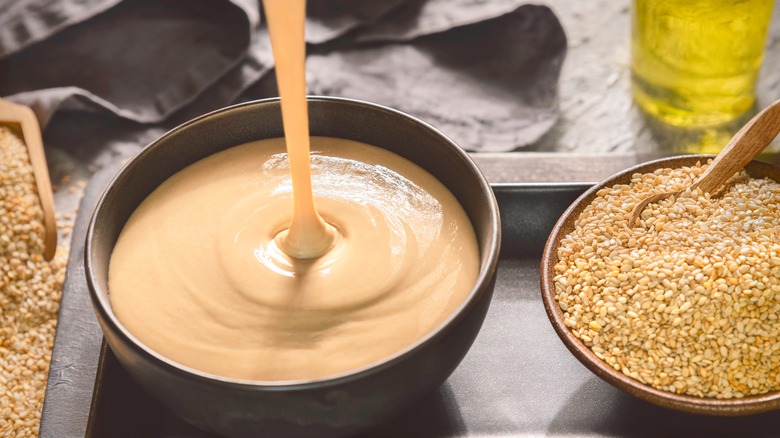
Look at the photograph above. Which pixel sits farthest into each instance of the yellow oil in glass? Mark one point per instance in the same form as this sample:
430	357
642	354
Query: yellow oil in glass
695	62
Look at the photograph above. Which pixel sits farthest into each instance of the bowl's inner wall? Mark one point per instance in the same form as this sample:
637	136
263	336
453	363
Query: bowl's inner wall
335	118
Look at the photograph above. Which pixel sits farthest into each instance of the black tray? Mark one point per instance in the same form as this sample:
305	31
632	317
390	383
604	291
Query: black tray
517	380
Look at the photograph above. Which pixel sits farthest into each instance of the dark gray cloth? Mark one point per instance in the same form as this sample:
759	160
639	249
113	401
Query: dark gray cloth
489	86
25	22
141	60
483	72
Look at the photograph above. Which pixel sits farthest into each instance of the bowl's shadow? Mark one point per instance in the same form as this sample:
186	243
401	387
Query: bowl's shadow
598	407
435	415
122	409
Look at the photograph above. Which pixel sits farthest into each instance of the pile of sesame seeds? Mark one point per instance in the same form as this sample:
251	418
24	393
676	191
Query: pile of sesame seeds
30	290
688	301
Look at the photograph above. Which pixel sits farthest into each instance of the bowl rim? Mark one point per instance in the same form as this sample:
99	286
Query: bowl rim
480	288
687	403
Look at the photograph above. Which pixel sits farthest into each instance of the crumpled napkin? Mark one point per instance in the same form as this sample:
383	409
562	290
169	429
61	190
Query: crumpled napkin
490	86
107	76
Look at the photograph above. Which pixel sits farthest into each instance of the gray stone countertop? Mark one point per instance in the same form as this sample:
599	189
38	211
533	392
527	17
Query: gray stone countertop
597	111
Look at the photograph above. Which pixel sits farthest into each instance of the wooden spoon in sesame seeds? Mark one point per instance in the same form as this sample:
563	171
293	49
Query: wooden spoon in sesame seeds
743	147
23	122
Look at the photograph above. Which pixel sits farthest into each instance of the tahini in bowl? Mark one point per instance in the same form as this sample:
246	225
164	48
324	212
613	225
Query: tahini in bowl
336	406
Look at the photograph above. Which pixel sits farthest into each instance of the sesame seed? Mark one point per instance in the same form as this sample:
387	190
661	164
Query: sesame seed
30	290
692	293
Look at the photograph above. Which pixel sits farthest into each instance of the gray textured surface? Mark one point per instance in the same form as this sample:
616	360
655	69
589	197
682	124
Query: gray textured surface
77	346
597	113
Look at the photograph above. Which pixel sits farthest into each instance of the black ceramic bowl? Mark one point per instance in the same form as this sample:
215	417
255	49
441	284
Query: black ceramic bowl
337	406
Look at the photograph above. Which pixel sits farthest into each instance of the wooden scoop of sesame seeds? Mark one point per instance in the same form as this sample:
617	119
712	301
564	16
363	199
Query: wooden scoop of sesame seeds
13	114
743	147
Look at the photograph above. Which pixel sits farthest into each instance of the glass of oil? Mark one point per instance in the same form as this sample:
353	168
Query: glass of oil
694	63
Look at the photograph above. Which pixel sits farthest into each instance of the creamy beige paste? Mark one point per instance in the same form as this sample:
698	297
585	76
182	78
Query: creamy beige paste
198	276
308	235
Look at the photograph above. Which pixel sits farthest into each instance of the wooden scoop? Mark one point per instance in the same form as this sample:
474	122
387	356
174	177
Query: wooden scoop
22	120
743	147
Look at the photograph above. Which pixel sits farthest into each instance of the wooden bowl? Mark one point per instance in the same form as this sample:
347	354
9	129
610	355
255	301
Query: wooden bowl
686	403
